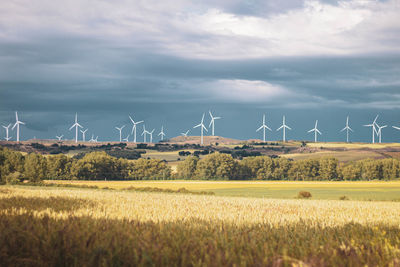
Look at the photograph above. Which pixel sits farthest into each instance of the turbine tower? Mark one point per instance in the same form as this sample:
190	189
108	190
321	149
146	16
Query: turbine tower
284	127
151	135
263	126
17	123
316	131
202	127
373	128
120	132
59	137
379	133
186	133
126	139
162	133
7	138
144	133
347	128
76	125
134	128
212	122
83	134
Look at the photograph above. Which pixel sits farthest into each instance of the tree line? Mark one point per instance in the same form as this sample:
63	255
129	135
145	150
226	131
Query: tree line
16	167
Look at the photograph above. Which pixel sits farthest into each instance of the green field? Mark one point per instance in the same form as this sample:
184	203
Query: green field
374	190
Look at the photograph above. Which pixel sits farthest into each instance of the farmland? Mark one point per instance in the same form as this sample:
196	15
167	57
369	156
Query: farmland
53	226
378	190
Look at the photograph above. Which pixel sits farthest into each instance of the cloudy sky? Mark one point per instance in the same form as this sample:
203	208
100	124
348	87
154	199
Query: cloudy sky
167	62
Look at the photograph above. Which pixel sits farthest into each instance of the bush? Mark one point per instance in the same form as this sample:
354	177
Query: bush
13	178
343	198
304	194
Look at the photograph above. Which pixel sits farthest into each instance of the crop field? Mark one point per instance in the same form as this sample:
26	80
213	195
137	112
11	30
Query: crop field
342	156
353	145
360	190
45	226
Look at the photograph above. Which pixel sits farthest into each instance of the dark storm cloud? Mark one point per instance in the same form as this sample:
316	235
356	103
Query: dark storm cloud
171	63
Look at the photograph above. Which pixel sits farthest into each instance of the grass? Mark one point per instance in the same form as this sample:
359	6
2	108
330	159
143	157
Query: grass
59	226
361	190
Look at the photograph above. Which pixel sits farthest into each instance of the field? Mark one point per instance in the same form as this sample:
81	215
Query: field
93	227
379	190
342	156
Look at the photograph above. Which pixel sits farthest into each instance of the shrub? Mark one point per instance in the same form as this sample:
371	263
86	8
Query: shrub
343	198
304	194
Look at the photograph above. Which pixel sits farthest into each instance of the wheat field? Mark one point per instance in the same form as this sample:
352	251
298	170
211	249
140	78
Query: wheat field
47	226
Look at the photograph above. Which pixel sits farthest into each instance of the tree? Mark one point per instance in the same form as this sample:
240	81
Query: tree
187	168
217	166
35	167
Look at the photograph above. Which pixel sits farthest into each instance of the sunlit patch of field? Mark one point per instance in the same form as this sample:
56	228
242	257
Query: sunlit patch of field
360	190
352	145
343	156
59	226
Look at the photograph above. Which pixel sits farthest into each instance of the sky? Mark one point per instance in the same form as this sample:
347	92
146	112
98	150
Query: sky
168	62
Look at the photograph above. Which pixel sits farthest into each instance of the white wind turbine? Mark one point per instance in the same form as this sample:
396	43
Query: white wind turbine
162	133
185	134
316	131
284	127
17	123
212	122
7	128
76	125
144	133
92	139
120	132
347	128
151	135
95	140
379	132
263	126
134	128
59	137
373	128
202	127
126	139
83	134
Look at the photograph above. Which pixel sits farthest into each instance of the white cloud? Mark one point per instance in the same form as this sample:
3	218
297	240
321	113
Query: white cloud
184	29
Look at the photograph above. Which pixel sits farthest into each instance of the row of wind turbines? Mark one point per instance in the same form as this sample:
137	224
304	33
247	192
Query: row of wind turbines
376	130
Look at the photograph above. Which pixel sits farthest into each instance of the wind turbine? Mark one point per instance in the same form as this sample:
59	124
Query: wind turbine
59	137
373	128
185	133
17	123
134	128
144	133
316	131
379	133
92	139
201	125
284	127
83	134
212	122
76	125
162	133
95	140
120	132
126	139
263	126
7	128
347	128
151	135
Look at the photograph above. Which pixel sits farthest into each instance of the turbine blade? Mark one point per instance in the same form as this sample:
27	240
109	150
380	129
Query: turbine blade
318	131
287	127
198	125
211	122
279	128
397	128
259	128
343	129
310	131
